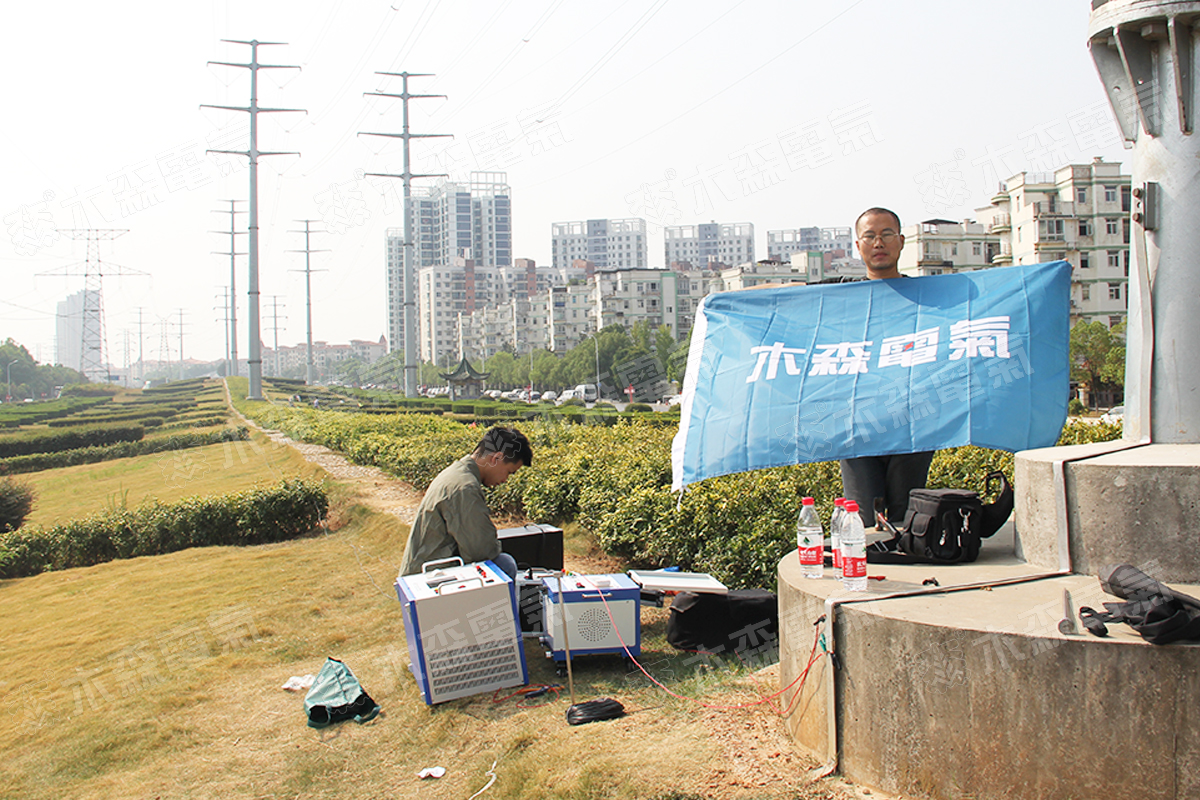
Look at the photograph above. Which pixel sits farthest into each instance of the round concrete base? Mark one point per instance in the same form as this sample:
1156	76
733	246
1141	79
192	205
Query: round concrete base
1134	506
977	694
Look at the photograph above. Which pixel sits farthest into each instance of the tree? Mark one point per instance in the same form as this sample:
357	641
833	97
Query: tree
30	379
1095	353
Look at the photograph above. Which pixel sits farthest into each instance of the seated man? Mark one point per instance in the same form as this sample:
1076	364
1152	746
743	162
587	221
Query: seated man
452	519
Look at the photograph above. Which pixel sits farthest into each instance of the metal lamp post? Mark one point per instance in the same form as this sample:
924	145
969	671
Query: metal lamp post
597	366
8	369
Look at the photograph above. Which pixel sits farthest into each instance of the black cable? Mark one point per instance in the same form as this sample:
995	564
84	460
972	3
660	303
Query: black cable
594	711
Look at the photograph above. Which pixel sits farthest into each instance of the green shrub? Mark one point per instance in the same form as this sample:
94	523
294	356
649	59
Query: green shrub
573	401
89	390
257	516
16	501
1075	407
638	407
55	440
90	455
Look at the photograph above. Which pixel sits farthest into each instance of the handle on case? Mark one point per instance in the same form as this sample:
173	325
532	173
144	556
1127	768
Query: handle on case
425	567
457	586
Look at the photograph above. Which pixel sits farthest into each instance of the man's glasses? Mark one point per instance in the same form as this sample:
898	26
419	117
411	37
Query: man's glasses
886	237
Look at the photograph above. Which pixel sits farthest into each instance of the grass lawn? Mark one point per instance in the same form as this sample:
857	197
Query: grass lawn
73	492
161	677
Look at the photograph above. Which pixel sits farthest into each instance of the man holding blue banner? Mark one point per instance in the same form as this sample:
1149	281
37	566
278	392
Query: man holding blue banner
876	372
889	478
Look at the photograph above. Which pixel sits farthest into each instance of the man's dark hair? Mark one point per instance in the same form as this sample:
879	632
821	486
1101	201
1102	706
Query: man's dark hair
877	210
509	441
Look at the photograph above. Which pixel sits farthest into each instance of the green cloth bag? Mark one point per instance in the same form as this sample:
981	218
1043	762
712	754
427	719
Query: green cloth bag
336	696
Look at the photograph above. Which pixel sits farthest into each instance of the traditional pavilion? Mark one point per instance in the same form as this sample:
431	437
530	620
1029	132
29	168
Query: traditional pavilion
464	382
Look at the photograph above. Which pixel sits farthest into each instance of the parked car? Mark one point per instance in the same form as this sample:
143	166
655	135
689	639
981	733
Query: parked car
549	396
1113	415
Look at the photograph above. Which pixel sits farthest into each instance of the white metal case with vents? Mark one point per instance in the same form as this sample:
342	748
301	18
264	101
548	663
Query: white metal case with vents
590	606
462	631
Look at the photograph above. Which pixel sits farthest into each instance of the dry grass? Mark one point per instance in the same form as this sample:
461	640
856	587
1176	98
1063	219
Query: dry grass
161	677
73	492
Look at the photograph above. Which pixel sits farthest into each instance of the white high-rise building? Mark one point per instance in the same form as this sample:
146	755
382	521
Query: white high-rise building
607	243
709	244
69	344
450	220
782	244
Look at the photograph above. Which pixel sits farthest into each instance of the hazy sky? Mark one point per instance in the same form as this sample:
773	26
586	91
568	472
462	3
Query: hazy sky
783	114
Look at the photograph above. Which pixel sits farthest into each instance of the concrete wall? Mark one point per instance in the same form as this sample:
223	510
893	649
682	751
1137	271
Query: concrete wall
1135	506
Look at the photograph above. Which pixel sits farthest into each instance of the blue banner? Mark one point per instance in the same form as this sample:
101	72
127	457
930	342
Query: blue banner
818	373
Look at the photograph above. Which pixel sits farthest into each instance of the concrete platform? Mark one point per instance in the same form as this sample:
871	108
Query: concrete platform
1127	506
975	693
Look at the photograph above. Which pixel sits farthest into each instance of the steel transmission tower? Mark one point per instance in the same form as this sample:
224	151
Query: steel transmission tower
309	373
93	354
255	360
231	318
410	300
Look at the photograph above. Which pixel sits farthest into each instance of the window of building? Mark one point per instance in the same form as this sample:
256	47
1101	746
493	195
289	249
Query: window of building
1085	292
1114	259
977	248
1081	194
1111	227
1114	291
1110	194
1084	261
1085	229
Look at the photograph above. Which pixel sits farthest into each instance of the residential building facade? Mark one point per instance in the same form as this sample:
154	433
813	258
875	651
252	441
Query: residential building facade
939	246
607	243
708	245
1078	213
471	220
782	244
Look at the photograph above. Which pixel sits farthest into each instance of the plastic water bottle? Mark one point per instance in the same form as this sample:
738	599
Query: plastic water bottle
810	540
854	550
835	533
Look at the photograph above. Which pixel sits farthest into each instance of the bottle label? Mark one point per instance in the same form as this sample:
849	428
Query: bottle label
811	555
854	560
837	554
810	547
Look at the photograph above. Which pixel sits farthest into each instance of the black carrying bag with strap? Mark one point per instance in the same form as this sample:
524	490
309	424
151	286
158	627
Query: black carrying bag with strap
945	526
1159	614
739	621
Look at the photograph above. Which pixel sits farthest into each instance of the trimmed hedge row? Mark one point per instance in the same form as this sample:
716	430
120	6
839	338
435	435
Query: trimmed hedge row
57	440
147	419
257	516
615	481
15	414
36	462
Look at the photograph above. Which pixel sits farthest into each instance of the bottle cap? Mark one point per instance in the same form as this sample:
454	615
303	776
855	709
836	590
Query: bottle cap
851	506
841	501
808	501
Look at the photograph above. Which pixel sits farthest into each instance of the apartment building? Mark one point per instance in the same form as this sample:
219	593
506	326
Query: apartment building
939	246
607	243
471	220
1079	213
709	245
782	244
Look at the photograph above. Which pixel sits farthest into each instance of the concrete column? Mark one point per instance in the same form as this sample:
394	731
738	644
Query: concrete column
1146	54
